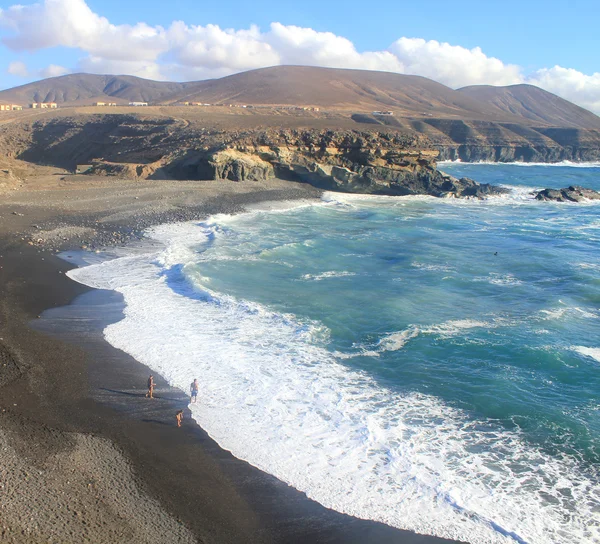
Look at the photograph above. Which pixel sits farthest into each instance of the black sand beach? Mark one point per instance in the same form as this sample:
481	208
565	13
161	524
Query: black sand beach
85	457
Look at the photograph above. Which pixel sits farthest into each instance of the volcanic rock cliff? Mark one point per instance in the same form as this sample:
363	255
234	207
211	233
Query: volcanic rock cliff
373	162
354	162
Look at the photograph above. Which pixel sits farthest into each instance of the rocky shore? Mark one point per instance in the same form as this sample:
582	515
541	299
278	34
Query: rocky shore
383	161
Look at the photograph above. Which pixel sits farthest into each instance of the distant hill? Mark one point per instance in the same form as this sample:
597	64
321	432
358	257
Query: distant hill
74	89
533	104
339	89
359	91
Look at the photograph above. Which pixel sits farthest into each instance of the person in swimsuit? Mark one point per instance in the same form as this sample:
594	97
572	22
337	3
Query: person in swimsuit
179	416
151	386
194	391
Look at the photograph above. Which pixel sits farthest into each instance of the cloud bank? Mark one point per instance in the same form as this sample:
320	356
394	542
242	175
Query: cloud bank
187	52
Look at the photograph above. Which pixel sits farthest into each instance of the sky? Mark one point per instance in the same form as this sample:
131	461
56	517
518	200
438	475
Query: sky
461	42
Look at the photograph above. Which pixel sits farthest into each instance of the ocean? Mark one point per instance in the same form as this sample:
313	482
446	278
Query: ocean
433	364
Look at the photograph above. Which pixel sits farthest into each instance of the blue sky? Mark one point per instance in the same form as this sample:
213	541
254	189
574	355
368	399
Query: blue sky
457	43
532	33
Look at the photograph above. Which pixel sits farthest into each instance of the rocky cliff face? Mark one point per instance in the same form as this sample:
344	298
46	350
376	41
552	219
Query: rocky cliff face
394	160
346	161
475	141
368	162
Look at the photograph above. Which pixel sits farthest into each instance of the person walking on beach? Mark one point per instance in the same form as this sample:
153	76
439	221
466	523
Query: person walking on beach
179	416
194	390
151	386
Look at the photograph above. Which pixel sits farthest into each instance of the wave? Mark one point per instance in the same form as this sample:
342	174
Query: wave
397	340
328	275
594	353
499	279
570	164
432	267
573	312
276	397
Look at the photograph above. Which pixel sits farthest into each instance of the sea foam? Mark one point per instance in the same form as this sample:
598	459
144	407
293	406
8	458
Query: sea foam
569	164
594	353
273	396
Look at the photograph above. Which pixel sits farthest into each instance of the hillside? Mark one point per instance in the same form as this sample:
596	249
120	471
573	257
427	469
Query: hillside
357	91
338	89
80	89
533	104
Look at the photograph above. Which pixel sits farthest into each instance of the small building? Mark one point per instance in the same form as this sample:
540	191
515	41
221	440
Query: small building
383	113
100	104
138	104
10	107
47	105
111	104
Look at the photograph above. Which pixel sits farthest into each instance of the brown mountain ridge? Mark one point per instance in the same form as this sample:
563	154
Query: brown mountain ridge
358	91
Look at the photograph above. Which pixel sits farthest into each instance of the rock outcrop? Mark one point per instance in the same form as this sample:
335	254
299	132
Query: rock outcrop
384	162
574	193
484	141
346	161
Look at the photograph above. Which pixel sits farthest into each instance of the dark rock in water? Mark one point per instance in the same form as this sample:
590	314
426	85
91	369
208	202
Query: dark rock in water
573	193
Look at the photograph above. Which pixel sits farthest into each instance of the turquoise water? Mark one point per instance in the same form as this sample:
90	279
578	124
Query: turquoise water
498	296
432	364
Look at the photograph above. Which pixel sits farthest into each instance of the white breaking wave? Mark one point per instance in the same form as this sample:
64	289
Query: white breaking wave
397	340
558	313
570	164
589	266
287	406
594	353
499	279
432	267
327	275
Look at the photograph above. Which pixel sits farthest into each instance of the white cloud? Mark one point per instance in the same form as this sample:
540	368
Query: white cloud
211	47
18	68
453	65
185	51
305	46
139	68
571	84
71	23
54	70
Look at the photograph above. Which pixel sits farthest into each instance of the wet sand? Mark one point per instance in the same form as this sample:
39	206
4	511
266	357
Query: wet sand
84	455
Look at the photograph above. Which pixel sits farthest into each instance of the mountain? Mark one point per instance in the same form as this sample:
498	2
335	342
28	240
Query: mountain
356	91
337	89
80	89
533	104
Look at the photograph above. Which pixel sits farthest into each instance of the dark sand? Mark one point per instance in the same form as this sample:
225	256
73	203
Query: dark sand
84	456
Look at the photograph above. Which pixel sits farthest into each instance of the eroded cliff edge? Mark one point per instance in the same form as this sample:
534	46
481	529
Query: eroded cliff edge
385	162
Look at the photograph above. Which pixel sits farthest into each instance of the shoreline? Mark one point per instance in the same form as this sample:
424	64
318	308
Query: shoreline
70	401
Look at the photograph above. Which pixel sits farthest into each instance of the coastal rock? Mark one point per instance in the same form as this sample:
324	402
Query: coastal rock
385	162
345	161
573	193
236	166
